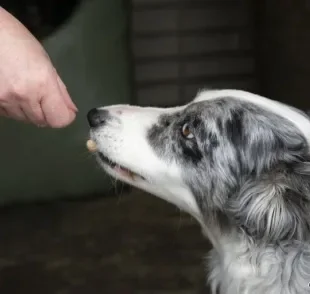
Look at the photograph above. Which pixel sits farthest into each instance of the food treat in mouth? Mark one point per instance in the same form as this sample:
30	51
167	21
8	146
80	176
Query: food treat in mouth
91	145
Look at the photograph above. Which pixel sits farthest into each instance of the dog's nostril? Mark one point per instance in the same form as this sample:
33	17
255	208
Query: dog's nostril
97	117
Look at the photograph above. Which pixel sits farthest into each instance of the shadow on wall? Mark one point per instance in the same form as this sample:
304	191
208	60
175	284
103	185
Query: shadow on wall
90	54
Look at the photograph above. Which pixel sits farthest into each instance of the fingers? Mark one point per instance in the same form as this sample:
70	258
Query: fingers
24	111
34	113
16	112
54	106
66	95
55	109
19	113
13	110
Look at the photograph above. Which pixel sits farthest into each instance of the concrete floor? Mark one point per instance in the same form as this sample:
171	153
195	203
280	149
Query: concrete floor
132	243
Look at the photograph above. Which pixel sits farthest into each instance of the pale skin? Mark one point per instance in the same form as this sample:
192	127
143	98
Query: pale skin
30	88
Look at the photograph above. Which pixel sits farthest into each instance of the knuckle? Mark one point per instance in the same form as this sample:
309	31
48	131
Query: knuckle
19	89
42	80
33	86
44	74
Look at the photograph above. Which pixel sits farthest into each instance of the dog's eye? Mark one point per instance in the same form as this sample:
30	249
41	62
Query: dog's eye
186	132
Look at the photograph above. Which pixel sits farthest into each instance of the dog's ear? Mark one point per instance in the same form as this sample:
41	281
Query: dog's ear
276	207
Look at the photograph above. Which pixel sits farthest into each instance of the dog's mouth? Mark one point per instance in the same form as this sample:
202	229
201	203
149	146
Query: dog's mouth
119	169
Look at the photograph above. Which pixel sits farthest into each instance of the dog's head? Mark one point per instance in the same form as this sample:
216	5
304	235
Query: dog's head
229	156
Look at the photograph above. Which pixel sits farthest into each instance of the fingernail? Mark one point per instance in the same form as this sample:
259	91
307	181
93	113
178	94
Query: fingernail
66	95
73	107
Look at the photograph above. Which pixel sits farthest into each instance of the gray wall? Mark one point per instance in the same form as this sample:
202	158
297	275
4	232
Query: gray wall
180	46
90	53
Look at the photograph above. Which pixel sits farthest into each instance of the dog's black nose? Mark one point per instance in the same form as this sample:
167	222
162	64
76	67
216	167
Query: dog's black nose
97	117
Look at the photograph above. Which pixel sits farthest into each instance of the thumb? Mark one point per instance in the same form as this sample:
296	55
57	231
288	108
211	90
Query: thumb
66	95
54	107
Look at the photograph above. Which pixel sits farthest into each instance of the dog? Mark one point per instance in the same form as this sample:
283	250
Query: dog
239	163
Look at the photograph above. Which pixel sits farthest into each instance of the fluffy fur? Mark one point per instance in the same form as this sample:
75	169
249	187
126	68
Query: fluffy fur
240	164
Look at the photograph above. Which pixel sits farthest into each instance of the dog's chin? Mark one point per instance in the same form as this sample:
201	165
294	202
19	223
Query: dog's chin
173	193
119	171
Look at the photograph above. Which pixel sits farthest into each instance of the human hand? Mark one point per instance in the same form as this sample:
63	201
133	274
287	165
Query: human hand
30	88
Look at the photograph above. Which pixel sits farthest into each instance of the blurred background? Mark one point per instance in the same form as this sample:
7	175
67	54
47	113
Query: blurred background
67	228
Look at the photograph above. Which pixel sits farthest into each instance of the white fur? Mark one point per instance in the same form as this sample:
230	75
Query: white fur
121	140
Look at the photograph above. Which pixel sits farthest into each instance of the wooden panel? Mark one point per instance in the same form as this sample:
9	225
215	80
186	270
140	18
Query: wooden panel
180	44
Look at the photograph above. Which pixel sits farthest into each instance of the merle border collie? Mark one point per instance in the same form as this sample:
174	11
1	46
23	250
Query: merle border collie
238	163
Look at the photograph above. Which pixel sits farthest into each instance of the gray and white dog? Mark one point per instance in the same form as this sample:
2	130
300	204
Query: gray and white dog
237	162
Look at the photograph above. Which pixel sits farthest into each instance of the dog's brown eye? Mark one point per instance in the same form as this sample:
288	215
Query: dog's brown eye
186	132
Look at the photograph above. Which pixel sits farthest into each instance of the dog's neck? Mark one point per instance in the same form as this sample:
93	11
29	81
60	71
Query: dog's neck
238	265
